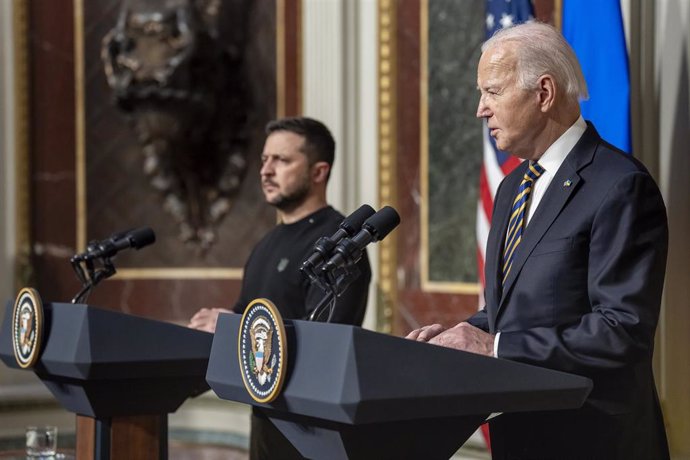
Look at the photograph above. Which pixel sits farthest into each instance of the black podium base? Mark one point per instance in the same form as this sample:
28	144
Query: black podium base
437	438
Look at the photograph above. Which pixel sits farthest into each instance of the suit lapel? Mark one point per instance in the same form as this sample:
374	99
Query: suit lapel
564	184
551	204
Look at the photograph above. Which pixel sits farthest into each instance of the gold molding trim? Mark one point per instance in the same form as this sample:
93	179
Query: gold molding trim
387	122
450	287
280	58
424	141
80	135
23	268
446	287
299	59
558	14
179	273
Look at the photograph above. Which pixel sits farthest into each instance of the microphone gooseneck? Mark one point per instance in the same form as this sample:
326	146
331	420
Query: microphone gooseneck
101	252
333	265
348	227
324	246
349	250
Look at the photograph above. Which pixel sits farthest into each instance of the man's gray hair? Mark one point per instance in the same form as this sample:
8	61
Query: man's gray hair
543	50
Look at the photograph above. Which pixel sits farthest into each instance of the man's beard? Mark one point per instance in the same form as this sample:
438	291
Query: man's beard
293	200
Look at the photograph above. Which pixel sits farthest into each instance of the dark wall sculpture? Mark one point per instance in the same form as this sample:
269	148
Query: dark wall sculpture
176	95
177	70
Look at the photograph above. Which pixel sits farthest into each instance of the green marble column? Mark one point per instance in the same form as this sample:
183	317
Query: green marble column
456	31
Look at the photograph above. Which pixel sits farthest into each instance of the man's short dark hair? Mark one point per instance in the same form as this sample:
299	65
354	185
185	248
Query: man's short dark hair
319	144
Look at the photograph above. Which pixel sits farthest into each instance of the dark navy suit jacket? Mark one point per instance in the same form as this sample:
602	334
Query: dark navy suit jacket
583	296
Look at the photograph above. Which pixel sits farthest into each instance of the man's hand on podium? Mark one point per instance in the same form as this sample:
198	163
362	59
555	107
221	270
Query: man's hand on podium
206	319
462	336
425	333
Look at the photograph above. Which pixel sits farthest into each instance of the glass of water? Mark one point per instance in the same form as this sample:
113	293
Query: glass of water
41	441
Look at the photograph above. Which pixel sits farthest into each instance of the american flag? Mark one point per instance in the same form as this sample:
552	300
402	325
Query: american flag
496	164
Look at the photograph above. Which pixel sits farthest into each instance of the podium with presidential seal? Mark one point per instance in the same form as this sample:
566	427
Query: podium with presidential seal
119	373
339	392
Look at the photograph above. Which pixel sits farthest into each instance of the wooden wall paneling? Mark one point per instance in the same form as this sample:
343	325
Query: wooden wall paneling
52	145
289	58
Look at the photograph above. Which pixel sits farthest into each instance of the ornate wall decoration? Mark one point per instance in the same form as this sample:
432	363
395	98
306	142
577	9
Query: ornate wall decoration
452	32
176	70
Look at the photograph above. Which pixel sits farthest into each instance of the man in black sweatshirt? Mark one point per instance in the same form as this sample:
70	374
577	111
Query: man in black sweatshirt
296	163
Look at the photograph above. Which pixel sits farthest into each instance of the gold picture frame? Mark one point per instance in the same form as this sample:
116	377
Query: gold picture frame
159	273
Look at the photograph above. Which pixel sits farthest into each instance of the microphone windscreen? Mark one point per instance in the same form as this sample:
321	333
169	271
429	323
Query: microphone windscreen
141	237
383	222
353	223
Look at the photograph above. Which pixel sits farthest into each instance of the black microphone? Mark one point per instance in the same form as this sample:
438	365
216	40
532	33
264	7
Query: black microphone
324	246
136	238
349	250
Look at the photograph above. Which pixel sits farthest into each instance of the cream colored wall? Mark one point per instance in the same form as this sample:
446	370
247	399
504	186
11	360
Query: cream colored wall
7	169
7	194
340	88
673	92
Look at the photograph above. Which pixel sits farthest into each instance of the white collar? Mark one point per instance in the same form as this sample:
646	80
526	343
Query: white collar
553	157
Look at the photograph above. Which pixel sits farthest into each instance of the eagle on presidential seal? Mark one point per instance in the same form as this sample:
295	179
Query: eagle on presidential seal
27	330
261	360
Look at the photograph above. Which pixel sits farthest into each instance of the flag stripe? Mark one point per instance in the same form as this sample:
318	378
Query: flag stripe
486	197
496	164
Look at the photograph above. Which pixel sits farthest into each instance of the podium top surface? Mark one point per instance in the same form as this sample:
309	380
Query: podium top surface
351	375
89	343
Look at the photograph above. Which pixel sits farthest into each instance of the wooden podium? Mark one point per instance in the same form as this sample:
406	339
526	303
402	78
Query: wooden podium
119	373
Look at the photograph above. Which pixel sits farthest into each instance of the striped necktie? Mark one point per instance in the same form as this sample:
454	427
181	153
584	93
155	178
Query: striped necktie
516	223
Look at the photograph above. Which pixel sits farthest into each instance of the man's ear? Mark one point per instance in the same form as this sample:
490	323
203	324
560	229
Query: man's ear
320	171
546	88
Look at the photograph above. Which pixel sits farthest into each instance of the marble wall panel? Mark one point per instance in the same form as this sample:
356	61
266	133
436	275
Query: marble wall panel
415	303
455	34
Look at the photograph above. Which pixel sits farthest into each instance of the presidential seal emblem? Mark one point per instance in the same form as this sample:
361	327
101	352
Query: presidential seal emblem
262	350
27	327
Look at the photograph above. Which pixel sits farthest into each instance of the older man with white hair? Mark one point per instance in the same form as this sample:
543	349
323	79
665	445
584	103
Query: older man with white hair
575	260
